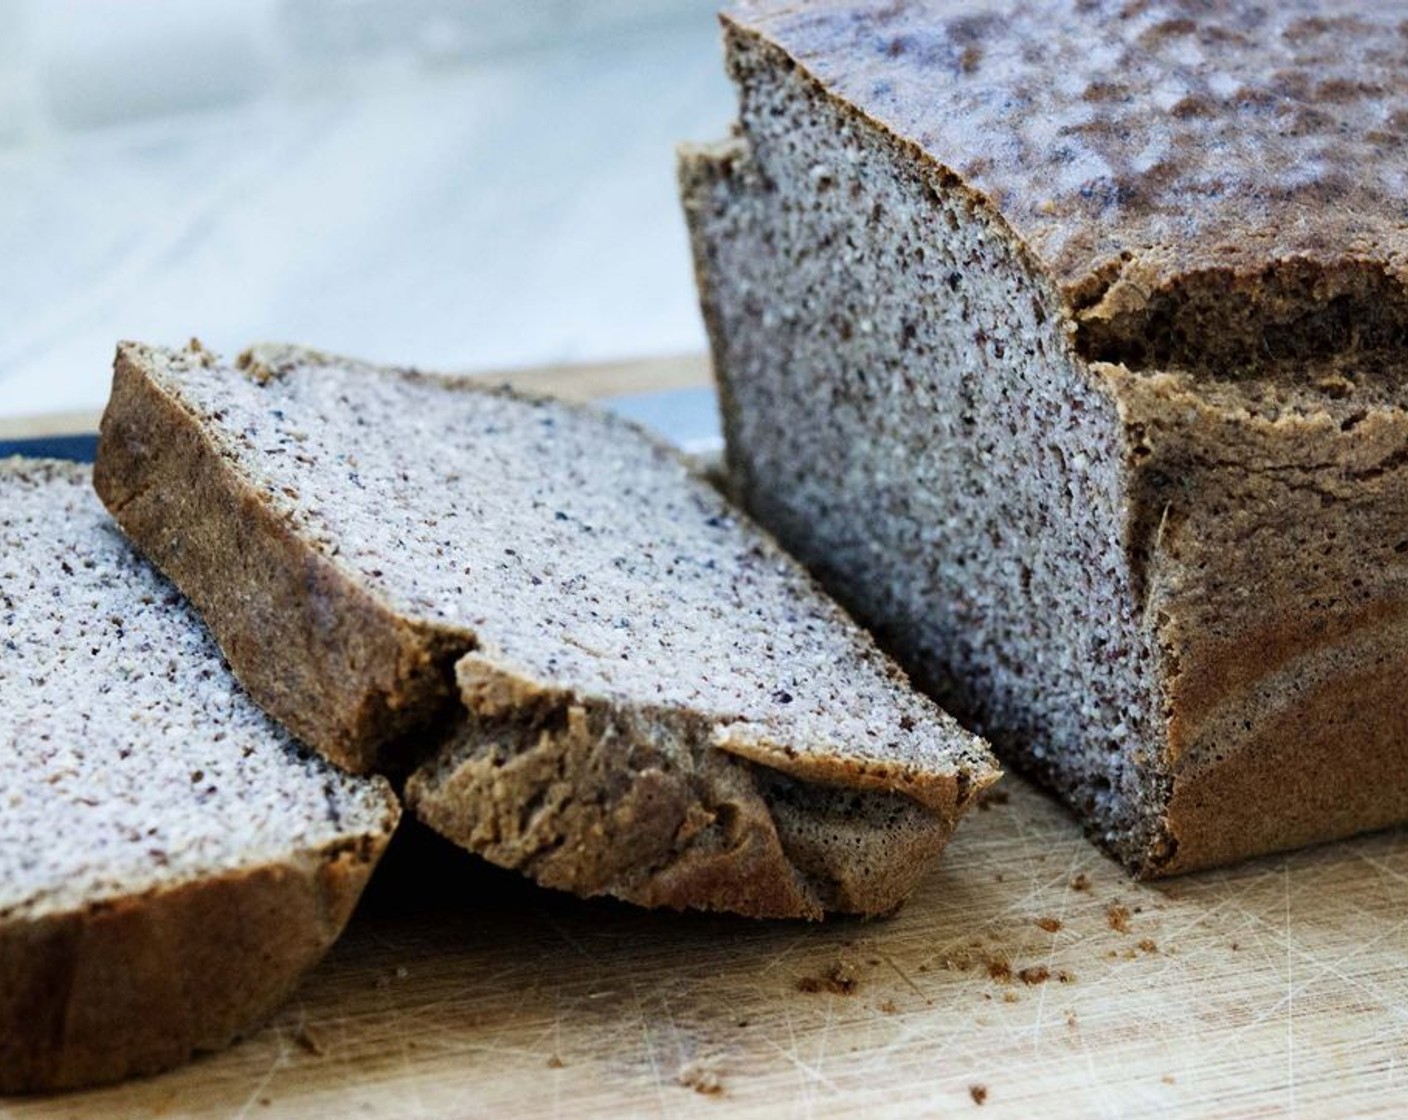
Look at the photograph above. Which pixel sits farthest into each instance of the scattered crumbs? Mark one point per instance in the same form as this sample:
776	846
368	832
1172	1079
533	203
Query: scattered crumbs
265	1102
1050	925
742	1023
308	1041
1037	974
925	967
990	797
1112	955
999	877
383	980
1168	1079
1011	997
979	1093
1071	1021
1149	945
1081	882
1117	916
1000	971
1235	946
840	979
889	1007
703	1079
554	1062
1065	977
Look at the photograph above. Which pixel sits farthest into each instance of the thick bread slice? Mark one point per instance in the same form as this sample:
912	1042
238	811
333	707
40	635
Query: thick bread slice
660	704
171	862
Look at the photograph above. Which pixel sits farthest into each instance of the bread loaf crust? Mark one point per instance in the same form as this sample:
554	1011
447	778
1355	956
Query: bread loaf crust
1239	347
137	984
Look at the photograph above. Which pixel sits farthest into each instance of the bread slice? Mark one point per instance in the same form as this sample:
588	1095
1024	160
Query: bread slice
1065	342
642	695
171	862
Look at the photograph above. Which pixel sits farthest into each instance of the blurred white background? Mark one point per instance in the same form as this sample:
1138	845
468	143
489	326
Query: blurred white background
458	184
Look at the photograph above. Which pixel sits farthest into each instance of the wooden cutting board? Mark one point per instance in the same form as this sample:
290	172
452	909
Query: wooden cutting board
1028	976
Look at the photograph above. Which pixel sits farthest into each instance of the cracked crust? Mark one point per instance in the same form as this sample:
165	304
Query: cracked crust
140	983
596	797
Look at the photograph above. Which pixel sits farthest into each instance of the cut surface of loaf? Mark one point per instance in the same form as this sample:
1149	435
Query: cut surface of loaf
646	697
1065	343
171	861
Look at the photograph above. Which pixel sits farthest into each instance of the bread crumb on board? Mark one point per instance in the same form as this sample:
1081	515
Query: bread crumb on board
840	979
1081	882
990	797
307	1041
1050	925
979	1093
1117	917
702	1078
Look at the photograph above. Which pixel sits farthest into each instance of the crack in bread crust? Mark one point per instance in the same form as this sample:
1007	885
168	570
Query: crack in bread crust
596	798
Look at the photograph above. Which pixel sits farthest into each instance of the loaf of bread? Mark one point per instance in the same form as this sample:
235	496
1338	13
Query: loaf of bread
590	666
171	862
1064	341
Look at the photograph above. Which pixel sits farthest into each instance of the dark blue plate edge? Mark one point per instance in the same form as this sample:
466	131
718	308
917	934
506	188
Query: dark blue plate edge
78	449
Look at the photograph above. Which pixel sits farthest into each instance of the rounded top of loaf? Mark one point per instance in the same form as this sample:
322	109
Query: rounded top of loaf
133	761
1132	144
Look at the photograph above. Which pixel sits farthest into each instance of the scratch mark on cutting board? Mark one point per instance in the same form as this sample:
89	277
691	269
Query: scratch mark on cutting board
1290	994
781	955
901	973
280	1060
1383	869
813	1075
561	930
1063	908
649	1039
557	1053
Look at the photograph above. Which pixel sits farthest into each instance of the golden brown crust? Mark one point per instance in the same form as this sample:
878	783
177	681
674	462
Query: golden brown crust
141	983
599	798
1271	538
1329	765
342	670
1141	143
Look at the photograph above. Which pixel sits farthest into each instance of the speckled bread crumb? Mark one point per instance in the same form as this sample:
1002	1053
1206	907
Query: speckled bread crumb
171	862
661	704
1064	342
